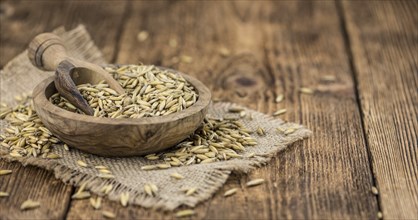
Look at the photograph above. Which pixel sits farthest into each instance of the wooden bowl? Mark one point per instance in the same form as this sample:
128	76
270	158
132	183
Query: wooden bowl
120	137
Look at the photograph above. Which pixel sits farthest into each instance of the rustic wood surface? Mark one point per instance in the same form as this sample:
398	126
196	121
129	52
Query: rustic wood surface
387	81
359	57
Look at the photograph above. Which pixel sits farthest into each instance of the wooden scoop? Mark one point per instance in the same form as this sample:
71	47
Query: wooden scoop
47	52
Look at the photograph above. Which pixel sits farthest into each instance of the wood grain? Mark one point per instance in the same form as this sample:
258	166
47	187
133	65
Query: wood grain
384	42
20	22
274	50
36	184
23	20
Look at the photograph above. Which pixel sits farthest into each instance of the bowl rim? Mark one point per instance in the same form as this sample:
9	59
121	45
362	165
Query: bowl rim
40	99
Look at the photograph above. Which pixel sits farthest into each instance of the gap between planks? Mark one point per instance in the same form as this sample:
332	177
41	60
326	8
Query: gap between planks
349	52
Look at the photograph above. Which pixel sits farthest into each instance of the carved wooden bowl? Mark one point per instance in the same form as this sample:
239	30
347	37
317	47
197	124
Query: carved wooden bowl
120	137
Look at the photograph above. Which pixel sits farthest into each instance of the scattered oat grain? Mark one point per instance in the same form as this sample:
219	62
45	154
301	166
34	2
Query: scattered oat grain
96	203
185	213
186	59
5	172
177	176
289	131
148	190
279	98
374	190
255	182
163	165
148	167
106	176
108	214
224	51
29	204
191	191
261	131
230	192
105	171
81	195
53	156
106	189
154	188
4	194
305	90
153	158
82	163
142	36
280	130
82	187
124	198
279	112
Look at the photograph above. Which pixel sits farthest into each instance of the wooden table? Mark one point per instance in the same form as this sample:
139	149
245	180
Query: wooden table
364	122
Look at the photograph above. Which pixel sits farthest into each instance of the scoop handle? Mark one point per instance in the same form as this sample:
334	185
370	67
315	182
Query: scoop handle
46	51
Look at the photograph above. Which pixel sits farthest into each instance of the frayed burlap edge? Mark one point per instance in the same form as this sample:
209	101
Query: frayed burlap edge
218	174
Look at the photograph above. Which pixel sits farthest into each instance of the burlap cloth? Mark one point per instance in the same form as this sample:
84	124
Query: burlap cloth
19	76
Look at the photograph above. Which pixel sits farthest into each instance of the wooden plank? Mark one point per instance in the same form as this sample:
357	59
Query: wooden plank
36	184
384	44
274	50
20	22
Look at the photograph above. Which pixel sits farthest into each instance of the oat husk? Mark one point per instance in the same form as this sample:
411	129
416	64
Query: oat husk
19	76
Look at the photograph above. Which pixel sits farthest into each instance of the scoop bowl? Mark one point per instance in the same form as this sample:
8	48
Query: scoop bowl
120	137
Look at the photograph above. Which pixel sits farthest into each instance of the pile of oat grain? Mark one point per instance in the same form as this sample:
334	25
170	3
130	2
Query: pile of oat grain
150	91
